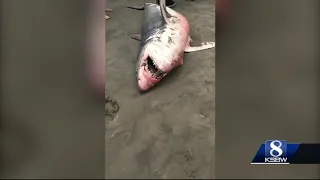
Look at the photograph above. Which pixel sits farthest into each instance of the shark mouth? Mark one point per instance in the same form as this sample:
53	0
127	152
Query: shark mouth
154	69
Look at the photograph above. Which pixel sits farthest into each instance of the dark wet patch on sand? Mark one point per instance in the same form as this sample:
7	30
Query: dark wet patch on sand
111	107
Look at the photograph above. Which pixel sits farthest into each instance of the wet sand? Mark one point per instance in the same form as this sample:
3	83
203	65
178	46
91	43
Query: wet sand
168	132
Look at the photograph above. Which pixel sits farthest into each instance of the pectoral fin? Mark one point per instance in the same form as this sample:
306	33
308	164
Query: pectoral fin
203	46
142	7
136	7
136	37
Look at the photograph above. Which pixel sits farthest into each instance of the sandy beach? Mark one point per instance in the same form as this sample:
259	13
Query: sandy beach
168	132
52	126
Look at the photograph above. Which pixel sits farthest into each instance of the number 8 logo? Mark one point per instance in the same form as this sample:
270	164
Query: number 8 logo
276	148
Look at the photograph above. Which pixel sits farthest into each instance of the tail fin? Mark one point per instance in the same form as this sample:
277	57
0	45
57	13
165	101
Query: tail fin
164	11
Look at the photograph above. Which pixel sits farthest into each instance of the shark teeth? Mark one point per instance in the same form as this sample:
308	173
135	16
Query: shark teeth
155	65
154	69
